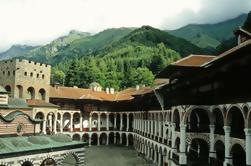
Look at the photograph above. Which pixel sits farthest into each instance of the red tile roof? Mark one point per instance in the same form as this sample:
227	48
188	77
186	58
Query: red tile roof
39	103
89	94
194	60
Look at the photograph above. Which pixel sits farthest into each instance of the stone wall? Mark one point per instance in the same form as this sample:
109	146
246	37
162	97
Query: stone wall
37	159
26	79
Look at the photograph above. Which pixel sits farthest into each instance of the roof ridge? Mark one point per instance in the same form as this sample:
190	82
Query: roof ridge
243	44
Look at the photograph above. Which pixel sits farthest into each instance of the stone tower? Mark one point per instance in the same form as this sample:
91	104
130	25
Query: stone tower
25	79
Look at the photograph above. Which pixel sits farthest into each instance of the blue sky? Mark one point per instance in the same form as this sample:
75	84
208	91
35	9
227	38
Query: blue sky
35	22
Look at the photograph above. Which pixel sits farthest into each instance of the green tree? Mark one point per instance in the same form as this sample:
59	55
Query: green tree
71	75
140	76
58	76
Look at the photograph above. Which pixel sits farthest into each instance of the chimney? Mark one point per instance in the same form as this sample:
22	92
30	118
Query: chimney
107	90
75	86
112	90
95	89
137	87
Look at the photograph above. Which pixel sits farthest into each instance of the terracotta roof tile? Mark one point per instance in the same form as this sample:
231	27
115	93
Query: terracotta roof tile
80	93
40	103
194	60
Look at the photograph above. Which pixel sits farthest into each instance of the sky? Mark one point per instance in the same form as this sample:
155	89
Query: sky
37	22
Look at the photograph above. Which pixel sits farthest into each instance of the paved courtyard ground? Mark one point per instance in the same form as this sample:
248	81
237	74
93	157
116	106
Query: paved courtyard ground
113	156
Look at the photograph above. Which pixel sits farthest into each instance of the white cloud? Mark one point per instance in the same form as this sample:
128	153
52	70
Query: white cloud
40	21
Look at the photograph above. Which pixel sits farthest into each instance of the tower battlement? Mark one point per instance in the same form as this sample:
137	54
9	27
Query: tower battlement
25	79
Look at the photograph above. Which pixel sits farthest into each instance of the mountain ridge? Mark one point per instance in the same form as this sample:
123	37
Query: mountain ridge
209	35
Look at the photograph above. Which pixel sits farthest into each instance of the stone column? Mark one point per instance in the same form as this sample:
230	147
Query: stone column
127	140
159	124
228	158
140	122
98	122
50	123
148	126
44	124
155	156
152	121
98	141
121	122
212	151
127	124
115	122
71	122
55	123
107	122
120	139
90	122
159	160
156	127
163	131
107	139
182	156
148	152
248	146
61	123
90	140
169	125
173	134
142	125
135	121
115	138
81	122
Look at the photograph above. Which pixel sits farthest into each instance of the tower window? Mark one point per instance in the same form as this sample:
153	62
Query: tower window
31	74
25	73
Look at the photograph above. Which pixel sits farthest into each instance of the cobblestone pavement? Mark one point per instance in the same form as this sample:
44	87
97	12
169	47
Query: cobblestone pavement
114	156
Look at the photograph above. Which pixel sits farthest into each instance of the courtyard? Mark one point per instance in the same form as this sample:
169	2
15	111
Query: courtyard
114	155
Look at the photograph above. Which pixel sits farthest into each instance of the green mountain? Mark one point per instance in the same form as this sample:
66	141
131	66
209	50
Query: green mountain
43	53
209	35
75	44
47	52
145	50
150	36
16	51
231	42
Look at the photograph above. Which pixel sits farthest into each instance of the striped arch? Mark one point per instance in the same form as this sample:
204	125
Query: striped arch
76	156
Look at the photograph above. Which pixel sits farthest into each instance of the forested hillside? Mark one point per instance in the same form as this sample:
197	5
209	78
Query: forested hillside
209	35
77	44
132	60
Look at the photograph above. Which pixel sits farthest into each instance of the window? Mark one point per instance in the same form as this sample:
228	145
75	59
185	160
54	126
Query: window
25	73
37	75
14	72
19	129
3	72
43	76
31	74
8	73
